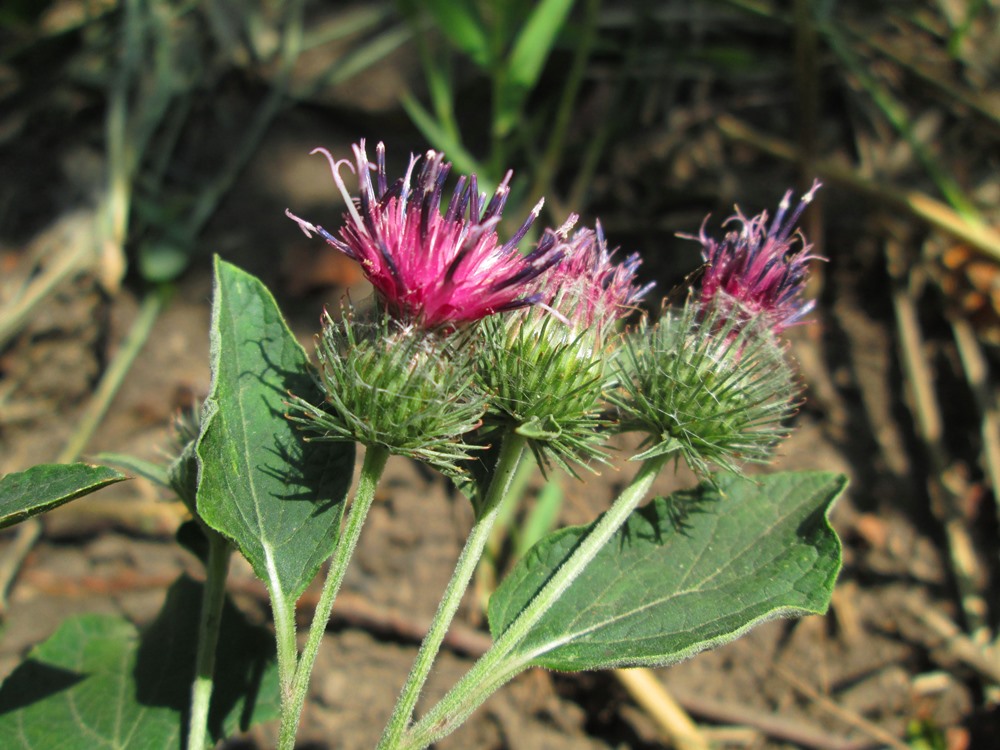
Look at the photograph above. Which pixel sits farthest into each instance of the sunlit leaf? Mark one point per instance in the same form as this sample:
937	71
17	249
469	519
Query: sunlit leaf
27	493
685	573
278	497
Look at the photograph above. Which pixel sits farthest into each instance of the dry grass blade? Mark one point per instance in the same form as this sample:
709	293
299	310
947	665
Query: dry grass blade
912	202
984	660
794	731
67	248
849	717
927	414
656	701
10	564
977	374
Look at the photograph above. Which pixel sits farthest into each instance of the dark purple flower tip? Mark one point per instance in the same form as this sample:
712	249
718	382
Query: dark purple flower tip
432	269
599	290
760	270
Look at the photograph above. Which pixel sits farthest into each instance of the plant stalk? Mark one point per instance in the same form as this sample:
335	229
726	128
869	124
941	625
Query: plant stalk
511	453
291	711
212	599
497	666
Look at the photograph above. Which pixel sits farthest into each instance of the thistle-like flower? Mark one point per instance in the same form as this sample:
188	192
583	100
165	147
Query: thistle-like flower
758	271
431	269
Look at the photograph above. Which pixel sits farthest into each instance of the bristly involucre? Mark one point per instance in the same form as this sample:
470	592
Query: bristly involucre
393	386
707	386
546	369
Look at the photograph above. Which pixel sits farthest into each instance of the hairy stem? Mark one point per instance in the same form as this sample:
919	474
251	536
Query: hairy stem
213	597
511	453
291	711
499	665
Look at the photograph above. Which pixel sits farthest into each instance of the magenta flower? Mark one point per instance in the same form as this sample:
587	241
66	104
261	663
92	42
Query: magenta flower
599	290
432	269
759	270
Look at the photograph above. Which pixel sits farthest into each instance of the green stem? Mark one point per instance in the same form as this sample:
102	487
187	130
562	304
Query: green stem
496	666
291	711
511	452
212	599
285	636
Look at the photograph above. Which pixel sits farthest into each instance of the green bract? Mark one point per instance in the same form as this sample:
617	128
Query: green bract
707	386
182	472
547	378
392	386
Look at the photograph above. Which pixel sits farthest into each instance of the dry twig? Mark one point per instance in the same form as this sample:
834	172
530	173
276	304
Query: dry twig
955	644
848	717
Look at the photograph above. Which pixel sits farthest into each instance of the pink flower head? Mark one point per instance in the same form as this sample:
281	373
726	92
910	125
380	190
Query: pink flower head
599	290
758	270
436	270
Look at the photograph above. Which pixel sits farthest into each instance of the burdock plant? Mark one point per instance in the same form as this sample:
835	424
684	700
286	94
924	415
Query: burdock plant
474	347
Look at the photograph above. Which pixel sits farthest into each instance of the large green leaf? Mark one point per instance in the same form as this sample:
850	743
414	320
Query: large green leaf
685	573
96	683
27	493
278	497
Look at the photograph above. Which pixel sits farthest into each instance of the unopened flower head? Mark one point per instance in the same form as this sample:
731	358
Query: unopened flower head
394	386
432	269
182	471
707	385
760	270
590	289
546	380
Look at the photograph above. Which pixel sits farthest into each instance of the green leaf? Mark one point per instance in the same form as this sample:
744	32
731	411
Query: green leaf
684	573
527	58
460	25
96	683
278	497
46	486
536	40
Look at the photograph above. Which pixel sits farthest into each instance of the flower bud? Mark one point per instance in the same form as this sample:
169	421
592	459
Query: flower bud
182	471
394	386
